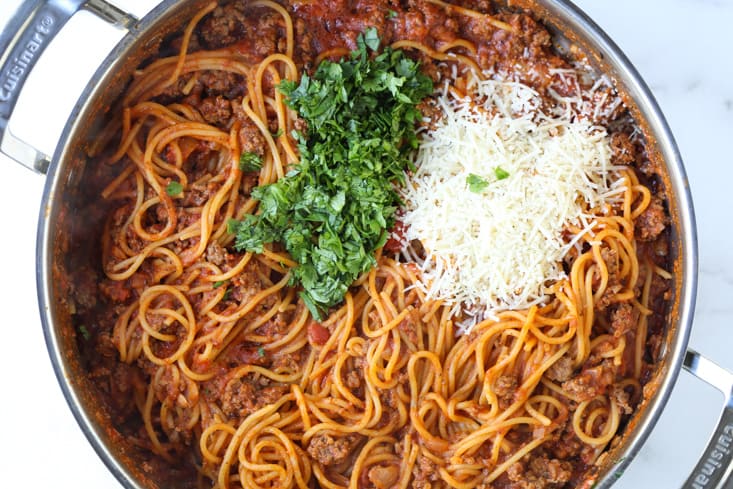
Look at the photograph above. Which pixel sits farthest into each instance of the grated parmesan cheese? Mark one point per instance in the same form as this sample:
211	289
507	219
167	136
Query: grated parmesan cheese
500	248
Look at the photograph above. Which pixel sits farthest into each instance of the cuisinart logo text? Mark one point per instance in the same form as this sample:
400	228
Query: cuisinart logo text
19	65
712	462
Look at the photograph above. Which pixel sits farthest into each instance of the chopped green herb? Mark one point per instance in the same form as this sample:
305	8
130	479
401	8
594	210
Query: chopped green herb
261	352
232	226
391	14
250	161
84	332
475	183
500	173
219	283
174	188
332	211
370	38
277	134
227	293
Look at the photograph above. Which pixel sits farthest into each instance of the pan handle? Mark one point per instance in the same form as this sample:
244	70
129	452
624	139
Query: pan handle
715	468
22	41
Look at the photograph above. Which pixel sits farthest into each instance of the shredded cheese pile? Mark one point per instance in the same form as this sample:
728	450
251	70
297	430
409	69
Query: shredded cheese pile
501	247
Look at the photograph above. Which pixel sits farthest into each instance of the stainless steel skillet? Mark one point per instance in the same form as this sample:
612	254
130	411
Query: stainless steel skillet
62	224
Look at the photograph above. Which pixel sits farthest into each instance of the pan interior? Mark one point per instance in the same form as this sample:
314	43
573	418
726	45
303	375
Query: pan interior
69	226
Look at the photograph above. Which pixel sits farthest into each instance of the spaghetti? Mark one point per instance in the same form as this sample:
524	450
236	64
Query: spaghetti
227	370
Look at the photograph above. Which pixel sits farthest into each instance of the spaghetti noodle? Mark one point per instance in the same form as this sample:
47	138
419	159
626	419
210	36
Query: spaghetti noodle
230	374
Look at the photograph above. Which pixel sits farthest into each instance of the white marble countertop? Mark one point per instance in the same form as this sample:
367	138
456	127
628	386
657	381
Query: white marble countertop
681	48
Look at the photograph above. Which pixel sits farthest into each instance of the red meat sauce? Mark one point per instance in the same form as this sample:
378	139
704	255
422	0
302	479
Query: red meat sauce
333	25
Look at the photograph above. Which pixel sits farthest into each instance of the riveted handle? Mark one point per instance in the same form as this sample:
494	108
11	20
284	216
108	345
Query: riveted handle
24	38
714	470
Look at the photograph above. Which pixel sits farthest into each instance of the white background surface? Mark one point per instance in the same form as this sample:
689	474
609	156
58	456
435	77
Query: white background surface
682	49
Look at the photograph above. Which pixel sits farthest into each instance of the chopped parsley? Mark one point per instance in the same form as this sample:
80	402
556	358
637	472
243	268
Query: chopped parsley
391	14
219	283
371	39
277	134
174	188
500	173
333	210
261	352
232	225
475	183
84	332
249	161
